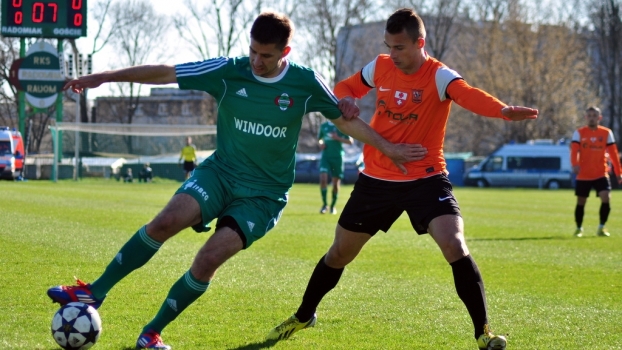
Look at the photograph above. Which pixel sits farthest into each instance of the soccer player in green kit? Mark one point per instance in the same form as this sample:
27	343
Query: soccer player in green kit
245	182
331	142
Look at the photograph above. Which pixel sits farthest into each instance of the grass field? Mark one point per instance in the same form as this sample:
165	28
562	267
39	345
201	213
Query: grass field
545	289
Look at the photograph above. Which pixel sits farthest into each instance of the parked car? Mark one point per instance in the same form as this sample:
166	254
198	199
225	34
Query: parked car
537	164
308	169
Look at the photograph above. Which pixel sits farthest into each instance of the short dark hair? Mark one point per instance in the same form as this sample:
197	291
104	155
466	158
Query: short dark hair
408	20
593	108
273	28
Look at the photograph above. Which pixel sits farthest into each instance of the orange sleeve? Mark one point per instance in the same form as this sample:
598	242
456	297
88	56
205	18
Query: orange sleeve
474	99
353	86
574	152
612	149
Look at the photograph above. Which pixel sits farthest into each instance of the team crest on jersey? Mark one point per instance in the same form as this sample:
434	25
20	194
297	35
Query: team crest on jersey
417	96
284	101
400	97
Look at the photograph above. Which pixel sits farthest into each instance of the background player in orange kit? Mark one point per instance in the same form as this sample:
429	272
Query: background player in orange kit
414	95
588	155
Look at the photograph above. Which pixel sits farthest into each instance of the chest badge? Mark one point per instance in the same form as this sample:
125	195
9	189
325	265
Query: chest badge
284	101
400	97
417	96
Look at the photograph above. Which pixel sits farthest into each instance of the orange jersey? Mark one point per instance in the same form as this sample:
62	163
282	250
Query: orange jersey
589	151
413	108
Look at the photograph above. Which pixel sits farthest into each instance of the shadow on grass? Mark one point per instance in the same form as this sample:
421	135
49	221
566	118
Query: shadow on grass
528	238
255	346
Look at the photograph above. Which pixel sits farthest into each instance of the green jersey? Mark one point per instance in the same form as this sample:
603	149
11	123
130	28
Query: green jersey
259	119
333	148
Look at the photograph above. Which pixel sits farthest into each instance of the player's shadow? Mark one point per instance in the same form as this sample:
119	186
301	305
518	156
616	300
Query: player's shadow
546	238
256	346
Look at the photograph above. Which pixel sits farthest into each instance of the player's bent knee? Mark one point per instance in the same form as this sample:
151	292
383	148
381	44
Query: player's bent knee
163	227
338	257
454	248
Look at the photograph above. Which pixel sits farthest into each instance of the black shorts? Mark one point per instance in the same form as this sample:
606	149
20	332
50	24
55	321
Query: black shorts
188	166
583	187
376	204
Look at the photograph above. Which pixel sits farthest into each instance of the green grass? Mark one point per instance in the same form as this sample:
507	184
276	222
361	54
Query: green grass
544	288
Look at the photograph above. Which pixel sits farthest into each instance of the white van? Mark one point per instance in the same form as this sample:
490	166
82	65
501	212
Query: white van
11	153
539	163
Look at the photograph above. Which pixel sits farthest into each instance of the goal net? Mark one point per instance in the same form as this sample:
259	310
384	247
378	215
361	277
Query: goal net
107	143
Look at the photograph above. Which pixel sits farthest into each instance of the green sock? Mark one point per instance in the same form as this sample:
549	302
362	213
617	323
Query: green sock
323	190
332	205
134	254
183	293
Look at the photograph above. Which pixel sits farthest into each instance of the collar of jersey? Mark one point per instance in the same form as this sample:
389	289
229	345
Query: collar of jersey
274	79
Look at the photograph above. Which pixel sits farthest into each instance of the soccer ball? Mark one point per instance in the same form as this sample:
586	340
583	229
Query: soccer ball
76	326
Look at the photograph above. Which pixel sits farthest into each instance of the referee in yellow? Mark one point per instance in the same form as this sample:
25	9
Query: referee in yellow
188	154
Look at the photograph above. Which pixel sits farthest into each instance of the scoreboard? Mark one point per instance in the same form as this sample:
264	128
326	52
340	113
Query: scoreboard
43	18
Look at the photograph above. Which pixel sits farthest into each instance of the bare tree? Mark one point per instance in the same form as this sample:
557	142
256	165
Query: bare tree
440	17
100	15
9	52
216	27
606	20
509	51
319	26
139	37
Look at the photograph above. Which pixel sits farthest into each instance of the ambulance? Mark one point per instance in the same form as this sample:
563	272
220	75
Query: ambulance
11	153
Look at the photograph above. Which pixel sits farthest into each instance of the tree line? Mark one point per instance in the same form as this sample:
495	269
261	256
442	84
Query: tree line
557	56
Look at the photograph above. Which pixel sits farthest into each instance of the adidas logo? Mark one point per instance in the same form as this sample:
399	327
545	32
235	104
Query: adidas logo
172	303
250	225
242	92
119	258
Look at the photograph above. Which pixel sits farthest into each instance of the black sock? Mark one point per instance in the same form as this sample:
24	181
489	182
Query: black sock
322	281
578	214
470	288
604	212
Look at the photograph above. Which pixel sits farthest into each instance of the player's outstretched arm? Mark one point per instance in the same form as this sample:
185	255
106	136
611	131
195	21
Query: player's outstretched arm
348	108
398	153
517	113
147	74
482	103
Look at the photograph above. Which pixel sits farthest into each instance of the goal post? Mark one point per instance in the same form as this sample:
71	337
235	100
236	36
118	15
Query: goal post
127	140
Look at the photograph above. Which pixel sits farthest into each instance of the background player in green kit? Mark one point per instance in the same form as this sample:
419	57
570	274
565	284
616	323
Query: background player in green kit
245	182
331	142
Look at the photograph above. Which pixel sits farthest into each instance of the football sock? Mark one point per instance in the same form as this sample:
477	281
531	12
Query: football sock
470	288
604	213
322	281
183	293
323	190
578	214
134	254
335	194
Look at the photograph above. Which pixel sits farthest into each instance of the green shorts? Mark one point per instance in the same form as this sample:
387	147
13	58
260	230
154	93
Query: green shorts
255	211
332	165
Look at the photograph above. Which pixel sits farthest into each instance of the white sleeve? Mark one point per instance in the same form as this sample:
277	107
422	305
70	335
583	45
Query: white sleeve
576	137
443	77
610	138
368	72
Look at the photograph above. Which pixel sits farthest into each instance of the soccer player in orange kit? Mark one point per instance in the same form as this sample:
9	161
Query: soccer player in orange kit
414	95
588	155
